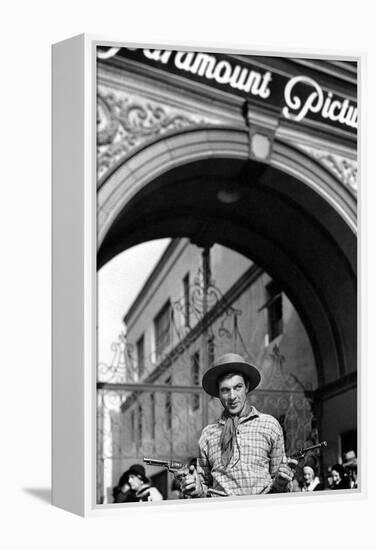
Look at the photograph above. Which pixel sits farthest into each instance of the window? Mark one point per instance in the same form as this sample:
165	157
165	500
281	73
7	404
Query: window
140	349
211	351
274	309
195	379
187	305
168	405
162	324
152	419
133	426
140	424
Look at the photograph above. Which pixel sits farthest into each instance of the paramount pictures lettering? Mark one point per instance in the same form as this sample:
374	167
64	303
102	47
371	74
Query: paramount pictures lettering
302	95
221	71
335	110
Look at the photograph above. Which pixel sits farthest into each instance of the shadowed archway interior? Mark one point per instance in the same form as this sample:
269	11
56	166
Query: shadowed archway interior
276	220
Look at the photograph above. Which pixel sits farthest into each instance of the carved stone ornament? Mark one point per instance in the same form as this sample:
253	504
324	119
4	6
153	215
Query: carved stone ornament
125	122
345	169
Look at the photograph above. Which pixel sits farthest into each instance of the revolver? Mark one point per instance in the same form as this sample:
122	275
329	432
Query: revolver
179	469
300	453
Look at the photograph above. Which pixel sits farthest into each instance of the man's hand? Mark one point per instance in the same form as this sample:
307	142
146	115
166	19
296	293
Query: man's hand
285	475
190	483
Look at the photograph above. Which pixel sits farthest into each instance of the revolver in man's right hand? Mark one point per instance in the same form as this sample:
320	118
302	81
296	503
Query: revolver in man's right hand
186	476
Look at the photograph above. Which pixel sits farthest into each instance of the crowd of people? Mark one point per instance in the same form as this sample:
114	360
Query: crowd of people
338	476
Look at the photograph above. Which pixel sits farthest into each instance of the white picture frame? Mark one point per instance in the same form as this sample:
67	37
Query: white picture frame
75	289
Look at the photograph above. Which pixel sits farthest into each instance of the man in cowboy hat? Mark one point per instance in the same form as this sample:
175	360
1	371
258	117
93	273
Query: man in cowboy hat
243	452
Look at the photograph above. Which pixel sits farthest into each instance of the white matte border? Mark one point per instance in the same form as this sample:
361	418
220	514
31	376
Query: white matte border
91	508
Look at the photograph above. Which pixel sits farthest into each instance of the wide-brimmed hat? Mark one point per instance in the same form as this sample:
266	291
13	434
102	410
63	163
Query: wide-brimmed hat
230	362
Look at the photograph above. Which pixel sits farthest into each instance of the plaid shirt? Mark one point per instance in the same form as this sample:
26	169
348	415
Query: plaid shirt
260	440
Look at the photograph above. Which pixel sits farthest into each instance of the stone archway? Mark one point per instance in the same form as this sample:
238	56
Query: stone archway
292	217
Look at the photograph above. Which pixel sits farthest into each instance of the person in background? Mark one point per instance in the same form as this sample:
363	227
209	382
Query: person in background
122	492
311	482
353	476
340	479
134	486
140	485
351	467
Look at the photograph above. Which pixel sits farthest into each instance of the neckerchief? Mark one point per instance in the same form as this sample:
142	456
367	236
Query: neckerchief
228	438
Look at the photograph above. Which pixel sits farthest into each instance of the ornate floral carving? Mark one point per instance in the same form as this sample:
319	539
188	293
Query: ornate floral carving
343	168
125	122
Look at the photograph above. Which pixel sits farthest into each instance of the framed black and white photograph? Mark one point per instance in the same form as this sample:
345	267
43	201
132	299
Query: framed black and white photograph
210	208
188	275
